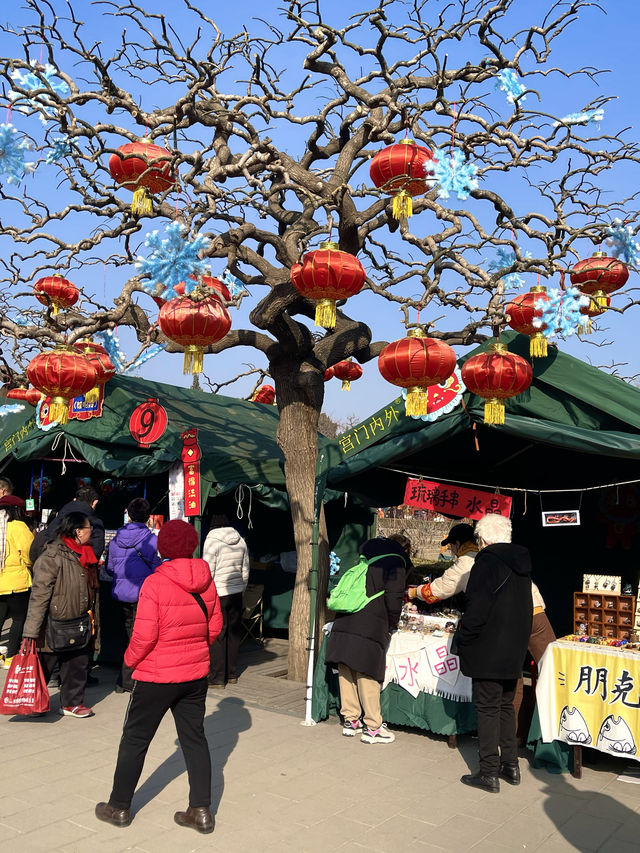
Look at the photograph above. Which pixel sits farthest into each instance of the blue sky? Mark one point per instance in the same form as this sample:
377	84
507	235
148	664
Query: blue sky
603	41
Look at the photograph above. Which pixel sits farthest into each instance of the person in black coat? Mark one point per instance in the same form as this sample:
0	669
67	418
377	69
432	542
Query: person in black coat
85	501
358	642
491	642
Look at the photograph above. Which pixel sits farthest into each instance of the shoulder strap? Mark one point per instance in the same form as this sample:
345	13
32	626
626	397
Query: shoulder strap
146	562
201	604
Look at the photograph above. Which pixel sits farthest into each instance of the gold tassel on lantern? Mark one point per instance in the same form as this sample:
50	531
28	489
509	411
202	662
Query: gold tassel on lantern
346	385
141	203
59	410
417	402
402	205
92	396
585	327
193	359
494	411
326	313
538	345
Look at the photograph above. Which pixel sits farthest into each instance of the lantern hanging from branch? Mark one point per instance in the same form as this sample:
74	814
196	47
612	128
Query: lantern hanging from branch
56	291
403	171
194	322
327	274
143	168
214	287
598	276
328	374
104	367
593	309
347	371
62	374
265	394
415	363
521	312
496	375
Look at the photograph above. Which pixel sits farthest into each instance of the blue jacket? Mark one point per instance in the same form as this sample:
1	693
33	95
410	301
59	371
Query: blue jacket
131	557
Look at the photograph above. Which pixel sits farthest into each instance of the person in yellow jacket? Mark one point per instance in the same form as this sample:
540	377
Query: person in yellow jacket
15	570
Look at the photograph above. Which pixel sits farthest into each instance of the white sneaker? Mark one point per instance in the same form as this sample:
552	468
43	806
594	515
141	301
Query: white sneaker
351	728
381	735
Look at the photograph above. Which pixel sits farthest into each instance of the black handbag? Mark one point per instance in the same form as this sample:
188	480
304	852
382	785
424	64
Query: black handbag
66	635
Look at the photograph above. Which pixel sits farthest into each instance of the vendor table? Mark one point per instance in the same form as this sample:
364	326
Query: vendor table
589	695
416	662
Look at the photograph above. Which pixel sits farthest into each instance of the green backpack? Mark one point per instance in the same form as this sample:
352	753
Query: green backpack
350	593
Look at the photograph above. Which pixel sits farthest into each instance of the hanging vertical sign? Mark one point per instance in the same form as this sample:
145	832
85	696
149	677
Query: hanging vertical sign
176	490
191	462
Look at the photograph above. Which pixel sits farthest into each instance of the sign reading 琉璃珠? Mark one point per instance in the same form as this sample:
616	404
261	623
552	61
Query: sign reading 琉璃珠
455	500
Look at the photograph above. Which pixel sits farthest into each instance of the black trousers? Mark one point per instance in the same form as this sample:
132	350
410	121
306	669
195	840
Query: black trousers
148	704
496	723
73	674
125	678
14	605
224	652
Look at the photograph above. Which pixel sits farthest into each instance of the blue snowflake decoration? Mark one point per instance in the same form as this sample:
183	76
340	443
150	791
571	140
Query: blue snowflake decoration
12	154
150	353
561	312
584	117
506	258
508	82
110	342
10	408
623	242
62	146
234	284
334	564
173	259
40	78
453	174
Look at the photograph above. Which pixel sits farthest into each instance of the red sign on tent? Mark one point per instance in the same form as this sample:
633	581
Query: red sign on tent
454	500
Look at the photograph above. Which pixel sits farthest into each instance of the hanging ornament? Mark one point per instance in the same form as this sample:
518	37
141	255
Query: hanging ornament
29	395
583	117
454	174
328	374
415	363
521	312
496	375
41	77
12	150
506	258
216	287
56	292
194	323
62	374
265	394
144	168
327	274
561	312
588	311
599	275
508	82
61	146
347	371
623	242
173	259
104	367
403	170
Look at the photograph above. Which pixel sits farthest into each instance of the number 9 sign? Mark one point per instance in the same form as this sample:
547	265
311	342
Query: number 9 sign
148	422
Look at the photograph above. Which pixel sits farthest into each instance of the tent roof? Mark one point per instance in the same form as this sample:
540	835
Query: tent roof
575	427
237	438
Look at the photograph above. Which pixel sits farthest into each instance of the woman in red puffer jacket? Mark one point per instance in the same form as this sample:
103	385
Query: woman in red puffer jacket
178	618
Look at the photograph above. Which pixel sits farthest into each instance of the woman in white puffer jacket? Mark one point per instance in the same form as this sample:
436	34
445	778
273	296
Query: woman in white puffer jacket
226	552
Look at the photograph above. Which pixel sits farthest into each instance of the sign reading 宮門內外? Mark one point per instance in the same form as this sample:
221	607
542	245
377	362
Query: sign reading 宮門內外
455	500
370	431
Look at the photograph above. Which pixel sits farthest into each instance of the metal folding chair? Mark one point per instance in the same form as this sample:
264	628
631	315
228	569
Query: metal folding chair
252	613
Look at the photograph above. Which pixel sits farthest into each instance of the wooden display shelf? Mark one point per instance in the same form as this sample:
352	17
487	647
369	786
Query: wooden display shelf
605	615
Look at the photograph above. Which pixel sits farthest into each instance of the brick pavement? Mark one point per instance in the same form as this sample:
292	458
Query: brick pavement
279	786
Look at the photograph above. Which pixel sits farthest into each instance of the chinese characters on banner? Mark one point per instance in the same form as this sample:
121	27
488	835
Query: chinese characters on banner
190	456
369	431
83	411
16	437
454	500
424	664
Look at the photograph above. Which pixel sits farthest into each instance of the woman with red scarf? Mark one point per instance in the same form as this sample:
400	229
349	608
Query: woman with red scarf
64	583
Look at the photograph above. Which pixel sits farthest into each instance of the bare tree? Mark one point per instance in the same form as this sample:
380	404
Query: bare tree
266	167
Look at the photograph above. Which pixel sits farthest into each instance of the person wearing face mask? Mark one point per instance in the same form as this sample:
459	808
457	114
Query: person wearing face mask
462	544
62	590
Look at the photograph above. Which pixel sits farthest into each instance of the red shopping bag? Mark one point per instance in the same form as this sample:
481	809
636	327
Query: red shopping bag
25	690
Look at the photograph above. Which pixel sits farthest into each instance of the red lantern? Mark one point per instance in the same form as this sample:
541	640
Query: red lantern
415	363
402	170
62	374
143	168
57	291
589	311
347	371
194	324
216	287
521	312
17	394
29	395
599	276
265	394
496	375
328	374
104	367
147	422
327	274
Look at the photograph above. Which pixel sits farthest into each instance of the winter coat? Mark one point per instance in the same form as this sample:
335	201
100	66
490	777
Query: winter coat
494	631
171	638
360	640
60	590
15	576
226	552
50	532
455	578
131	557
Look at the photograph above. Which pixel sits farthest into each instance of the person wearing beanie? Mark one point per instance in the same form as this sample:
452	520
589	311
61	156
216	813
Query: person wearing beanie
15	570
177	620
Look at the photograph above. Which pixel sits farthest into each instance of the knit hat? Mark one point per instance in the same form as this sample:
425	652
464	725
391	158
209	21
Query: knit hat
177	539
12	500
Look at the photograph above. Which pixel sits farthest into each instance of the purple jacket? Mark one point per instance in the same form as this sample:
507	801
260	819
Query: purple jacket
131	557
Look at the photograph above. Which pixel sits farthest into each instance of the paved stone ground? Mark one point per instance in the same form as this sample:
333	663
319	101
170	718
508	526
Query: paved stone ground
279	786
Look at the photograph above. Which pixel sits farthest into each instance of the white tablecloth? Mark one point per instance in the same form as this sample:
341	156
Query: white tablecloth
425	663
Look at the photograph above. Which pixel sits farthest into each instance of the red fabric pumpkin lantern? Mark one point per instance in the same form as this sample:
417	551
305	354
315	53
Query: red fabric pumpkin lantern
104	367
56	291
215	287
415	363
347	371
521	313
265	394
194	324
402	170
327	274
496	375
599	276
61	373
143	168
33	396
328	374
17	393
593	309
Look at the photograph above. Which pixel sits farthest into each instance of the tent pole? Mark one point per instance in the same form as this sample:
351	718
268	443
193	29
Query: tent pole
321	479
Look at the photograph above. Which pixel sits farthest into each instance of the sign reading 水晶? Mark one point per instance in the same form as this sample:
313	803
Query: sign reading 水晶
455	500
